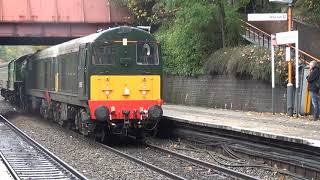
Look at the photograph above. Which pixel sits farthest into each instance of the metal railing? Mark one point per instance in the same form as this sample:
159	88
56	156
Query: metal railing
260	37
257	36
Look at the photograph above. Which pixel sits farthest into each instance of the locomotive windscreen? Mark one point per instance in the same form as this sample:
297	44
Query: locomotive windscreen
104	55
145	53
148	53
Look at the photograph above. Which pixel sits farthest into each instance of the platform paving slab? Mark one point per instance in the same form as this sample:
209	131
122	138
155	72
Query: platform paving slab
299	130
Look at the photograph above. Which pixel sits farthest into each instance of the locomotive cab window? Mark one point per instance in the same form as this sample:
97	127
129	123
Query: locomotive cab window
103	54
148	54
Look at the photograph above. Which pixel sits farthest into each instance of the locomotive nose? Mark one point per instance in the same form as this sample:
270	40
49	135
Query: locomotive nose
102	113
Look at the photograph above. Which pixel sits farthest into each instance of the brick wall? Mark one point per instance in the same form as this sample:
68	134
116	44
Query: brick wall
223	92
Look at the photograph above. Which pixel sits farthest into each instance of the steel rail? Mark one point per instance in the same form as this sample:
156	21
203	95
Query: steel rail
279	151
204	164
10	169
43	149
143	163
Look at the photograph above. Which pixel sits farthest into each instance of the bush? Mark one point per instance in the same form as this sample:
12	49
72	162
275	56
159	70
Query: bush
250	62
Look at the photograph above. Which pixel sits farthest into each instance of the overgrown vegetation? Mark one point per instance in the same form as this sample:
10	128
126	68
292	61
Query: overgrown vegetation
189	30
250	62
308	10
192	30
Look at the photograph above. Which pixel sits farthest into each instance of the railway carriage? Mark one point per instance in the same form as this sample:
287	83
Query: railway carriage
12	78
105	83
3	77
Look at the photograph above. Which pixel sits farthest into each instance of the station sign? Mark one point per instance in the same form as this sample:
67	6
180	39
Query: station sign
268	17
289	37
282	1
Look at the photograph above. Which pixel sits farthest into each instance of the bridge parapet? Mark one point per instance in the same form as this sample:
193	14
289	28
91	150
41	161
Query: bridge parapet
47	22
60	11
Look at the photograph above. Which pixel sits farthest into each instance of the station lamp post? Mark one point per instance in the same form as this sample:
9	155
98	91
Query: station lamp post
290	84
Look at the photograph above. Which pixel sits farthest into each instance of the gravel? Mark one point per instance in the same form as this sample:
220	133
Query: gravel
89	158
201	154
6	108
95	162
165	161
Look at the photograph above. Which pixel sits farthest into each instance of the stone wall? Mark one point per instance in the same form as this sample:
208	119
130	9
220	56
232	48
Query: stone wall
223	92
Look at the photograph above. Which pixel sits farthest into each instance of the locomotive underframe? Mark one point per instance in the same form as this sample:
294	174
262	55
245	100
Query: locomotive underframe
77	117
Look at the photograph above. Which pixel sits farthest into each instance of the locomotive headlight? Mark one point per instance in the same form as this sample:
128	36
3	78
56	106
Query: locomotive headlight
107	92
113	109
144	92
126	91
125	41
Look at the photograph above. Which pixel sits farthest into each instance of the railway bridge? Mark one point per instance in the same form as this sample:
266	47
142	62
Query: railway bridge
49	22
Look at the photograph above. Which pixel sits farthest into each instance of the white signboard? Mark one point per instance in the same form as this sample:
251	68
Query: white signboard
282	1
268	17
287	37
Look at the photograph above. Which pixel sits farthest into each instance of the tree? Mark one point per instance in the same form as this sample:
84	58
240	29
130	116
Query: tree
189	30
8	53
222	17
308	10
142	10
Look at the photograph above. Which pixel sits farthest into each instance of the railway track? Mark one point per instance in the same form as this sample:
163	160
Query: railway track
297	161
177	166
26	159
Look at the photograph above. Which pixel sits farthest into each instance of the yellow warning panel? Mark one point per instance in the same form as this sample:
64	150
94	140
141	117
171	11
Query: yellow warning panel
115	87
307	102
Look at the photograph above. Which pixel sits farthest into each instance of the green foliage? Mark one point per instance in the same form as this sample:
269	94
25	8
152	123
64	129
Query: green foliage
308	10
233	26
8	53
249	62
265	6
142	10
187	40
189	30
195	32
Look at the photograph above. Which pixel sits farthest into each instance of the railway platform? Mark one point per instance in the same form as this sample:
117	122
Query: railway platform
279	127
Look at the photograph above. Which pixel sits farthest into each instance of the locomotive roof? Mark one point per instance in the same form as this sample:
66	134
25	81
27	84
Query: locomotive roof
73	45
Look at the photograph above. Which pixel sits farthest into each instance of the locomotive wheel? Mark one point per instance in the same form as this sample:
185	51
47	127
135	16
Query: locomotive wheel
56	113
22	99
100	136
79	124
140	136
154	132
63	123
77	121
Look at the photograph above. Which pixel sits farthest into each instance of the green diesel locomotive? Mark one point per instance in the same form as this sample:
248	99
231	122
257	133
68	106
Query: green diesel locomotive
103	84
